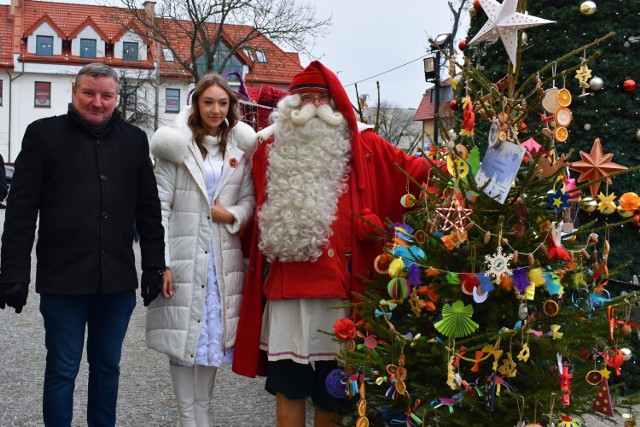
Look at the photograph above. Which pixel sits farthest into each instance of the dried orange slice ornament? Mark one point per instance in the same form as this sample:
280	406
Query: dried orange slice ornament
560	133
563	116
563	97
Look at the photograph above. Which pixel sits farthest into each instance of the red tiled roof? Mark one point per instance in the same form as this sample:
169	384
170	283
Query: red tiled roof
6	26
426	108
69	19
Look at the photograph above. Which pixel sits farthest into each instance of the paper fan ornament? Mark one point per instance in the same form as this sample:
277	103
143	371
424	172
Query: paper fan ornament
456	320
595	165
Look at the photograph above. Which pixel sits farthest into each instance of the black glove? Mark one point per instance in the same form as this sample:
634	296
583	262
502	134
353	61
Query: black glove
151	284
14	295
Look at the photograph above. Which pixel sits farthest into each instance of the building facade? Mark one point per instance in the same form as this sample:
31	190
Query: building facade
44	44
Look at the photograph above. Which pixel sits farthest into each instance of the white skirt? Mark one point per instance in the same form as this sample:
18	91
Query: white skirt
301	329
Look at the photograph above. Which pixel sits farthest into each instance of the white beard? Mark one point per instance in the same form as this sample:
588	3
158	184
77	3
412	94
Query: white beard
307	173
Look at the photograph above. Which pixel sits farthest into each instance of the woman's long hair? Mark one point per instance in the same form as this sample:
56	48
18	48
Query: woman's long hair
195	122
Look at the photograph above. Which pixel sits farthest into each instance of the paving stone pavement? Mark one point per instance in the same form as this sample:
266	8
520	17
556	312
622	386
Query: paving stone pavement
146	397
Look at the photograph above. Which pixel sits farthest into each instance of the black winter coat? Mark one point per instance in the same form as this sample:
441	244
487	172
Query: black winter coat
87	190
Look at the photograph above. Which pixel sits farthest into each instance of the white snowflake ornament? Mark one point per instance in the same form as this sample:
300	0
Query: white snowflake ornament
497	265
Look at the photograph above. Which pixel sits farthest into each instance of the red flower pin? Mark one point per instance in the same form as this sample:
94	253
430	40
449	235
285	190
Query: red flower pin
233	162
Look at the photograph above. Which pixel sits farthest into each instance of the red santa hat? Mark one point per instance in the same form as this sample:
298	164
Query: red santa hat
318	78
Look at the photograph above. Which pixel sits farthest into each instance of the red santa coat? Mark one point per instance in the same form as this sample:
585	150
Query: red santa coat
375	188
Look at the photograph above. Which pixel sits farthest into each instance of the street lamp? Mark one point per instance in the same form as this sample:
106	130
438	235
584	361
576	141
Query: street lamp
432	74
429	68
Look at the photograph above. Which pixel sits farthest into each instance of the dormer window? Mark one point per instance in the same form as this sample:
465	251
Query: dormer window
87	48
130	51
256	55
261	57
168	55
44	45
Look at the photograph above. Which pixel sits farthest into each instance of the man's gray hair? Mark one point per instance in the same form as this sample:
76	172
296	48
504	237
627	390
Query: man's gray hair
98	69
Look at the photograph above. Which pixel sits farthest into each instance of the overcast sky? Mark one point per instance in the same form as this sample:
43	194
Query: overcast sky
369	38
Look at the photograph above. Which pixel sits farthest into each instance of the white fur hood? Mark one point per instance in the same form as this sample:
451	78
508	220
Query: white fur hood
172	142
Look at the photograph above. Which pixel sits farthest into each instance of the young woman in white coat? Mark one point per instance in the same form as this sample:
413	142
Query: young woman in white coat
207	196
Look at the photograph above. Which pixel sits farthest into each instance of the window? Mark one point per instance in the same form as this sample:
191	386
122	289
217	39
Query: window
168	55
44	45
1	81
131	97
130	51
87	48
42	95
172	101
261	57
256	55
446	95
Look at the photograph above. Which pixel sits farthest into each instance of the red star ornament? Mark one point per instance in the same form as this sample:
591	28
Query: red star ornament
595	165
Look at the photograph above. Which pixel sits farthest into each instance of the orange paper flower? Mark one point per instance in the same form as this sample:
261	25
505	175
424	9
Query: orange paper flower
629	201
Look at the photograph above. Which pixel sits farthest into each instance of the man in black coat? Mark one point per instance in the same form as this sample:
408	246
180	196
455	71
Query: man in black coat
87	176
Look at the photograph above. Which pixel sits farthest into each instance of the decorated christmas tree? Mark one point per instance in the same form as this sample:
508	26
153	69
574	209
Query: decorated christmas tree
490	305
605	95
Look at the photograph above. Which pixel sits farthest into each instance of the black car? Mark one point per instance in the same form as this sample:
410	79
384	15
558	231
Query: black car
9	168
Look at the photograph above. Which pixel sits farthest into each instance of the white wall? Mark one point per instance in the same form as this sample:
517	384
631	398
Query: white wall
4	116
44	30
130	36
88	32
23	110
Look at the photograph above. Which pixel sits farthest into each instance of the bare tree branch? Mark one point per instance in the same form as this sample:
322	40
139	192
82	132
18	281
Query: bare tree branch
204	35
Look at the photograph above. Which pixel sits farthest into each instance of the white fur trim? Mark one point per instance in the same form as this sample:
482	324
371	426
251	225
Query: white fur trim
266	133
363	126
244	137
172	143
169	144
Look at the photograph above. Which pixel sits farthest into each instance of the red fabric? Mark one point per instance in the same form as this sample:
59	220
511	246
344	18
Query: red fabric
311	79
376	186
329	274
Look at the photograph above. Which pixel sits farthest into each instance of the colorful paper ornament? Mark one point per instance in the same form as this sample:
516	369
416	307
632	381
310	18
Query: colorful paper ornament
606	205
602	403
398	288
336	383
629	201
565	381
504	22
558	200
595	165
567	421
456	320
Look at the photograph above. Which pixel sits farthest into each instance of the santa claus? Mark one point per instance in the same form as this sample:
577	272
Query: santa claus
323	184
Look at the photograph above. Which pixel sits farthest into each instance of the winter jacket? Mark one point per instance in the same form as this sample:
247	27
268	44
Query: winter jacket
173	324
86	191
375	188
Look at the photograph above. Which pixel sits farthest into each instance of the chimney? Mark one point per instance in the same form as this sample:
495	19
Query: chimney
149	9
14	5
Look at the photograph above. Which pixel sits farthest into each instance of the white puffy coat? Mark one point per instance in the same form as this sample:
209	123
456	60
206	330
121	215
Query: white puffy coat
173	324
